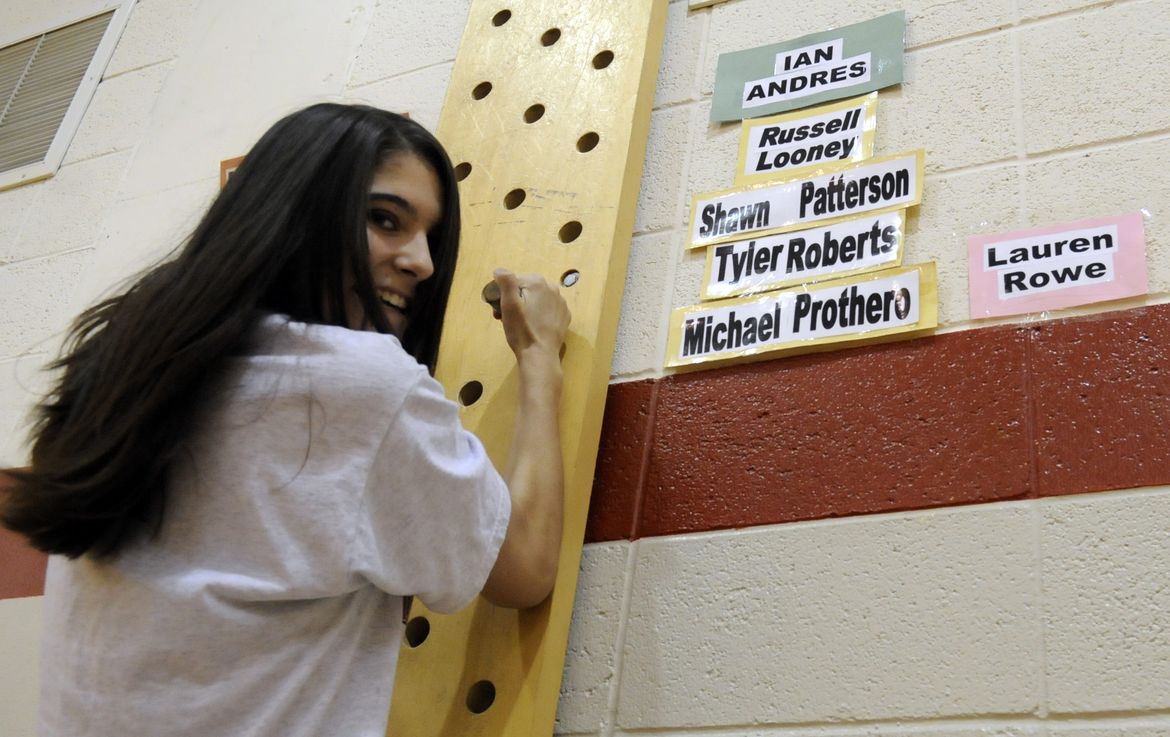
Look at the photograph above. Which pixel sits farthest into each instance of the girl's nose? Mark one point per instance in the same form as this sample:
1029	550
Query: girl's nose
415	257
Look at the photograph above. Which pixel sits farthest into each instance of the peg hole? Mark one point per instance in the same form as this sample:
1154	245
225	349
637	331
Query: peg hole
481	90
588	142
462	171
534	113
602	60
417	630
480	696
501	17
570	231
470	393
550	37
514	199
570	277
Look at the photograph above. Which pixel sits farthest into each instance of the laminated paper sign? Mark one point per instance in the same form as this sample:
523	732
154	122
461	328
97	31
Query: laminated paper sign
1058	266
846	310
811	69
786	145
831	194
770	262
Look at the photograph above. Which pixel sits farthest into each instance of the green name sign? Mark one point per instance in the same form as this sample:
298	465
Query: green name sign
811	69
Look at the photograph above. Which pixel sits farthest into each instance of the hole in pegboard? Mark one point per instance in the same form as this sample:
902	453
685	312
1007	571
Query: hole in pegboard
417	631
588	142
602	60
481	90
514	199
501	17
550	37
570	231
534	113
570	277
480	696
462	171
470	393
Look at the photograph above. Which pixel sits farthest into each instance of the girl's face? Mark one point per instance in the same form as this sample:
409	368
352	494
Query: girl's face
405	204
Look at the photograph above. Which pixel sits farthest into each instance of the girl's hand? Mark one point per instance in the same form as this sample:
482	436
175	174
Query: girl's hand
535	315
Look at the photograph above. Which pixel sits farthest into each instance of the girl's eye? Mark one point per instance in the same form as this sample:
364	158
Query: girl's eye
384	219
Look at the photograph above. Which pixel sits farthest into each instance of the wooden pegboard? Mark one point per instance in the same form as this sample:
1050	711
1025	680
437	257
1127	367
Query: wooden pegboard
546	119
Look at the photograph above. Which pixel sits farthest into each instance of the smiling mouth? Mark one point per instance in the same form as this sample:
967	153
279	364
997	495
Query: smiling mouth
396	301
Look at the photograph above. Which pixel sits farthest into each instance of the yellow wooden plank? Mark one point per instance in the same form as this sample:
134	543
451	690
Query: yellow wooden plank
549	103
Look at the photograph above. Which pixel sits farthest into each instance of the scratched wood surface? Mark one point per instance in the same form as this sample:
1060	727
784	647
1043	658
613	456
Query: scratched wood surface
546	118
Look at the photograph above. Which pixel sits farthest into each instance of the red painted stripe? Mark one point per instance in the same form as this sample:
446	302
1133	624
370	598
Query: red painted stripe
23	572
977	416
1102	397
626	435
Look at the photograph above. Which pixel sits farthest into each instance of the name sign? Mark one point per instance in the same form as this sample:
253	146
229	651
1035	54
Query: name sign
770	262
1057	266
847	310
788	144
835	193
809	70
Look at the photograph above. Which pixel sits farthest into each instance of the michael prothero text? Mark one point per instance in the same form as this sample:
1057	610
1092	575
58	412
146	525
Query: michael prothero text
849	310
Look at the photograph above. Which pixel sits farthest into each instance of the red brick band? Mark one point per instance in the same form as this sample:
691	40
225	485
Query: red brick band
1014	412
22	572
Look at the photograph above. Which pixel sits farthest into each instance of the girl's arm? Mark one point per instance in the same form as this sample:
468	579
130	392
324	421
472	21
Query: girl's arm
535	319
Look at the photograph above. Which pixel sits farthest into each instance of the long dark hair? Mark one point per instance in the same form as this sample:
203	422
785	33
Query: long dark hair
285	235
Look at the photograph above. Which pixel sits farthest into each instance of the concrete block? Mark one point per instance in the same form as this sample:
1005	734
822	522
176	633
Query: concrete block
1094	76
420	94
1150	726
589	662
156	32
1105	568
20	649
69	209
688	275
1034	9
920	615
975	127
231	83
750	23
16	206
118	113
641	337
23	382
138	234
678	72
36	294
954	207
404	37
714	154
660	201
1108	181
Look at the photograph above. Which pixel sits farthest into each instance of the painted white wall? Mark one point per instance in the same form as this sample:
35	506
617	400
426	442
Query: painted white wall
1029	618
27	18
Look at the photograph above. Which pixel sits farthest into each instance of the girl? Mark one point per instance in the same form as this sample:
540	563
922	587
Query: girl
246	465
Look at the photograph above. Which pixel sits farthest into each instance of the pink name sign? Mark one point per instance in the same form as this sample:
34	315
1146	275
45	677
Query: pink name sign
1057	266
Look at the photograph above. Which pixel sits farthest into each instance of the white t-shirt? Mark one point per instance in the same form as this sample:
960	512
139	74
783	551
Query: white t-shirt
331	478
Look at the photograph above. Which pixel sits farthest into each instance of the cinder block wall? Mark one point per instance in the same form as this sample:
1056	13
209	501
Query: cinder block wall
957	535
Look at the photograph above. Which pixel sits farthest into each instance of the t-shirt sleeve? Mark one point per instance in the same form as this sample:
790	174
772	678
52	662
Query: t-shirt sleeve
436	509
